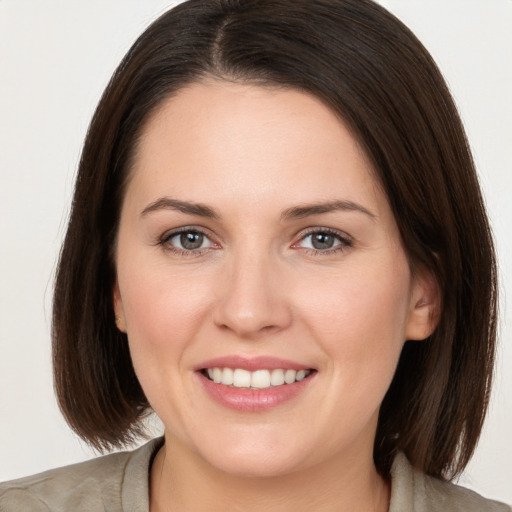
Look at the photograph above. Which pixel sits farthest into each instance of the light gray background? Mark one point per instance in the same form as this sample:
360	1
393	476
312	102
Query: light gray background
55	59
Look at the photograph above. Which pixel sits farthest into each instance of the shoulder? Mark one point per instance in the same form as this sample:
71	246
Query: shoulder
411	490
98	484
452	497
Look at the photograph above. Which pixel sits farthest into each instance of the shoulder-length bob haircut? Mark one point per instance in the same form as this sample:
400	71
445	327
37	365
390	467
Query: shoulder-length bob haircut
377	77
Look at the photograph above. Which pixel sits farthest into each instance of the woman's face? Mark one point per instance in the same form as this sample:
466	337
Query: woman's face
254	236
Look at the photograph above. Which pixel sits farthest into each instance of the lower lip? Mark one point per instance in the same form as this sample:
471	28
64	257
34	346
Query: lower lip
253	400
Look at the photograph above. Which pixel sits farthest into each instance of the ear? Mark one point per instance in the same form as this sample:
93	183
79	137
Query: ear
118	308
424	306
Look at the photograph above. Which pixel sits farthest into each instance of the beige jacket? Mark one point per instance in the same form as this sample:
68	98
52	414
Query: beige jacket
119	483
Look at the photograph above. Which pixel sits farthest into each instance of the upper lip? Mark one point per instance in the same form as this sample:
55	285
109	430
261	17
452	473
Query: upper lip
251	363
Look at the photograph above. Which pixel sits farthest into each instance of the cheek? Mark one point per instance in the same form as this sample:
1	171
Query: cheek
359	316
163	312
358	319
163	309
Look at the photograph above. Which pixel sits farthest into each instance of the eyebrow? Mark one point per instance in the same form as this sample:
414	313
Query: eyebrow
295	212
166	203
299	212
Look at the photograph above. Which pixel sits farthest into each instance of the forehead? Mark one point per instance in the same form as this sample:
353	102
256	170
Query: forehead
249	141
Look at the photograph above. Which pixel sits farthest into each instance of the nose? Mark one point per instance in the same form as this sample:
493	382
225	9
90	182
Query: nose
253	300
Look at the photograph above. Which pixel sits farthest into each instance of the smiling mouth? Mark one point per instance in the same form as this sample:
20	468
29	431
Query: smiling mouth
258	379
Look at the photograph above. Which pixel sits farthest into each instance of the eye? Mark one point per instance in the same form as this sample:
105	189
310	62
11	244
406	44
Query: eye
189	240
323	241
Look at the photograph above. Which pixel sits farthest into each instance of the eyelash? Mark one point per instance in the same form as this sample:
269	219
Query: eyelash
165	239
344	242
343	239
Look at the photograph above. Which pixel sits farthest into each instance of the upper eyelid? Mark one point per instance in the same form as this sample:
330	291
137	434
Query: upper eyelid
331	231
185	229
164	242
345	241
342	235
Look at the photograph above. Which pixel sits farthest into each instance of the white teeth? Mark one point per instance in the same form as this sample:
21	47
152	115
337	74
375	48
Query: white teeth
227	376
217	375
259	379
301	375
289	376
241	378
277	378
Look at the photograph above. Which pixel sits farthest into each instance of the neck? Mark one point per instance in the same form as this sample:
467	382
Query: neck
182	481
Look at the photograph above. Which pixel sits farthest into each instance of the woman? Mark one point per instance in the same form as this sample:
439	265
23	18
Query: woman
278	244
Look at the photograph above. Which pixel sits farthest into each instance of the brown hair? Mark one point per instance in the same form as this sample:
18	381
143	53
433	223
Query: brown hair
374	73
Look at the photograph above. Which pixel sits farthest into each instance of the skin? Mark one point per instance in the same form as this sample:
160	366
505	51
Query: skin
256	287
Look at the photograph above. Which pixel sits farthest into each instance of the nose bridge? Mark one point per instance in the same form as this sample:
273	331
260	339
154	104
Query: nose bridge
252	299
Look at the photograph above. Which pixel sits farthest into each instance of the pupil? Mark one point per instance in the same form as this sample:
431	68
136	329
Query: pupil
322	241
191	240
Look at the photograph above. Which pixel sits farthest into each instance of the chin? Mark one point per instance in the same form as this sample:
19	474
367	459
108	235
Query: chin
260	466
261	458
